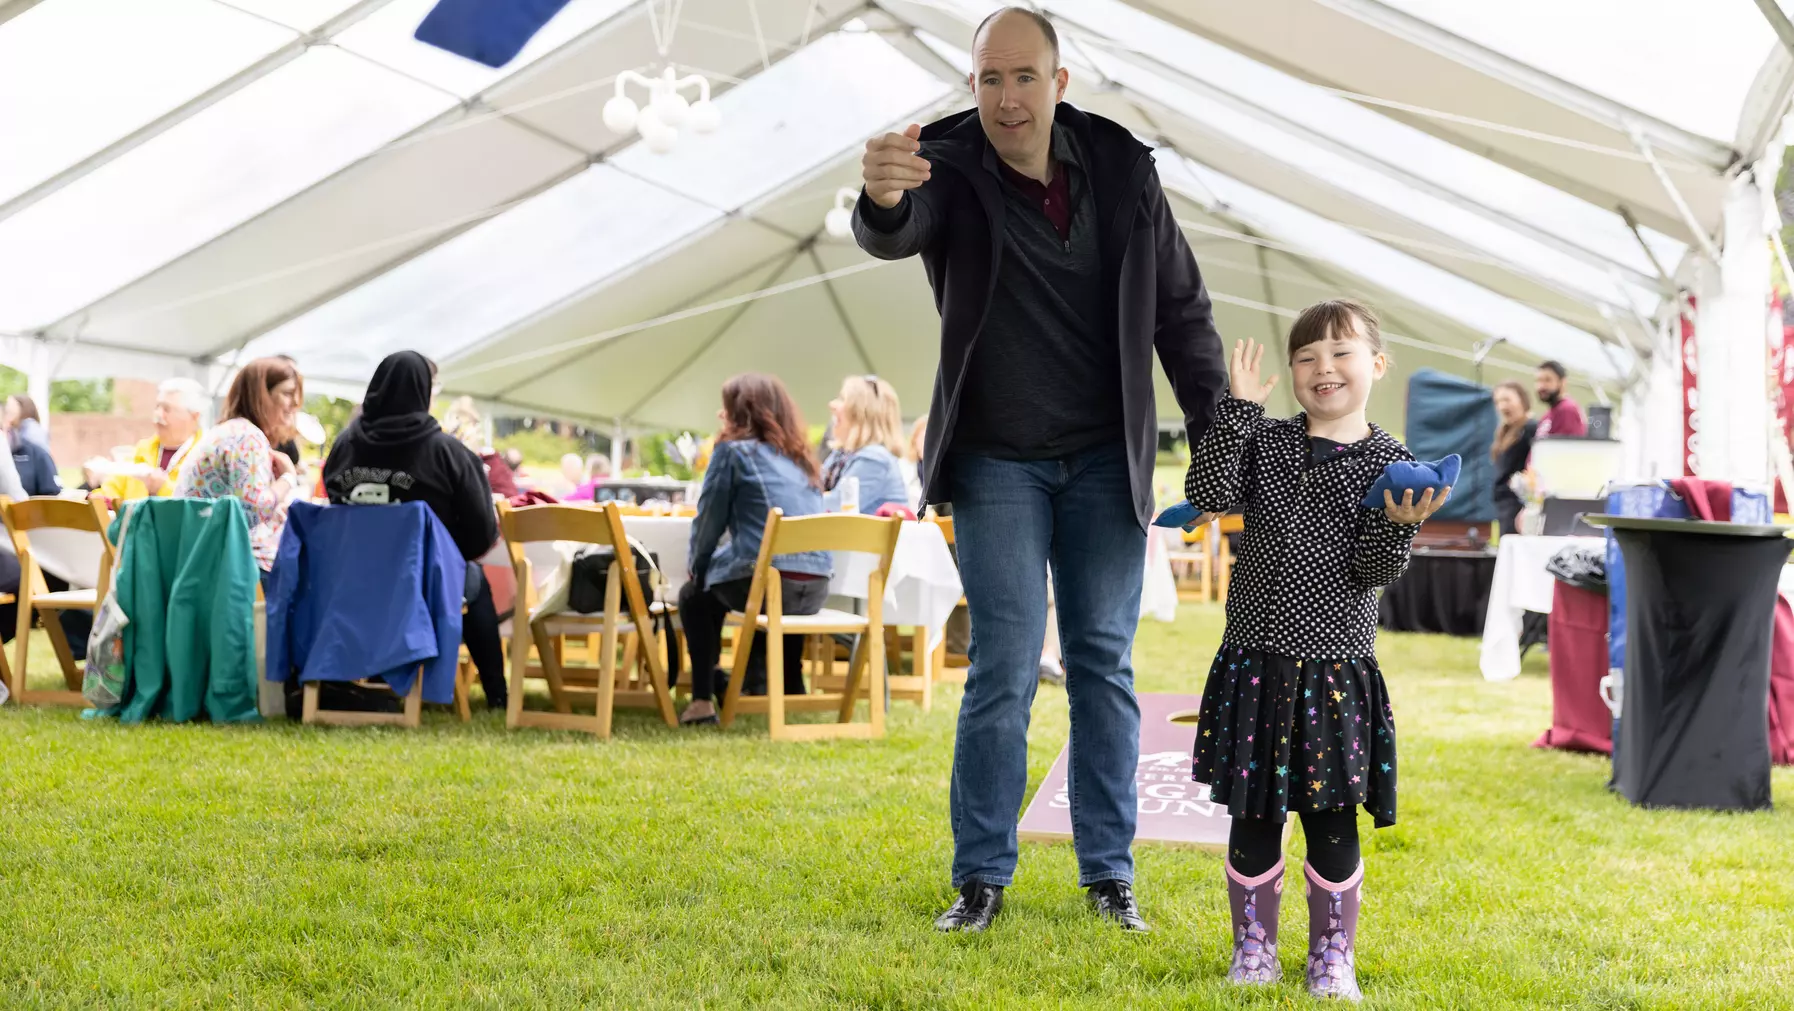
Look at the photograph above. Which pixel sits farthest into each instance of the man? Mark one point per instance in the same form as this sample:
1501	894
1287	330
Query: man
157	460
1563	416
1058	268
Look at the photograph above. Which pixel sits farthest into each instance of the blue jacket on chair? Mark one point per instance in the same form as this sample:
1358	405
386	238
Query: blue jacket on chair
366	592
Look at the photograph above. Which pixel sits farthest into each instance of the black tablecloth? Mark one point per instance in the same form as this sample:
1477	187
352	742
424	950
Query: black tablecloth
1442	591
1694	710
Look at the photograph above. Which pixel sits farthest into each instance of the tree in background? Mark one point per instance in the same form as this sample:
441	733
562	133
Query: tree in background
332	412
67	396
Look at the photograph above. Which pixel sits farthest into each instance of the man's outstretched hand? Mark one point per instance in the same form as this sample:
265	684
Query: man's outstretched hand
891	166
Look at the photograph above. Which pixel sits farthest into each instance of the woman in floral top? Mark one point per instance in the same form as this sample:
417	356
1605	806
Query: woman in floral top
236	458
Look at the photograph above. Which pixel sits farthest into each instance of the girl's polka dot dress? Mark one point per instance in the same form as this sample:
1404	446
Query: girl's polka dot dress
1295	715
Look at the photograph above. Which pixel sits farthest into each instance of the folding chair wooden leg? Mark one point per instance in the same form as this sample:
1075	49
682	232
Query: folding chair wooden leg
652	658
463	677
775	658
21	643
59	642
519	671
13	685
548	648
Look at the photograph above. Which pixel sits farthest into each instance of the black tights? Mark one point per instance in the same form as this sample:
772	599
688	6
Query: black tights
1254	845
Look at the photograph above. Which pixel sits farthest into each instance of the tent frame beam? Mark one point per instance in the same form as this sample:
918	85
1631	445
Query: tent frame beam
447	120
236	82
1689	221
1373	162
698	298
1784	29
1716	156
721	331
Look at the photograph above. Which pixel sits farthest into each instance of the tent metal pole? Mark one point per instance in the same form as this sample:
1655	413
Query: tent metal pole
1656	264
1784	29
834	300
1705	241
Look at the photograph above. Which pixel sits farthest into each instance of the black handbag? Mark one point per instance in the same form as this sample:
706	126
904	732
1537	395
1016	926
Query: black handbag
590	576
589	579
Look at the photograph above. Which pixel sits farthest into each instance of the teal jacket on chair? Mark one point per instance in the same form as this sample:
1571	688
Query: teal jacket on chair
186	580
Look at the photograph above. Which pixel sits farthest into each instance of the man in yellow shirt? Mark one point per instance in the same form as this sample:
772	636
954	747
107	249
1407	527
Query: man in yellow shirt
180	405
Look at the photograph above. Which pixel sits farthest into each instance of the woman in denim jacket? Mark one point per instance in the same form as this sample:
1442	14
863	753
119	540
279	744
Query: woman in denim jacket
761	462
868	444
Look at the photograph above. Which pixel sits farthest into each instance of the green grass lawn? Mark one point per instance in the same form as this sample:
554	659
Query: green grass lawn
464	866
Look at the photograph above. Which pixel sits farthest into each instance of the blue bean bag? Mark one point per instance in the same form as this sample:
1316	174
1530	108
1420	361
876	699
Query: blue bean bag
1419	475
1180	515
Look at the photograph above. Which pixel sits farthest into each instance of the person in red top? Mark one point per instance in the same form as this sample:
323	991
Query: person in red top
1563	416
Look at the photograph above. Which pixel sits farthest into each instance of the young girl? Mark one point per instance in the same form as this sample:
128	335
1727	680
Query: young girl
1295	716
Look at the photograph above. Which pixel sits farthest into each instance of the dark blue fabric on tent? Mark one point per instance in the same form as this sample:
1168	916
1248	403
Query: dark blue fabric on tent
1448	415
486	31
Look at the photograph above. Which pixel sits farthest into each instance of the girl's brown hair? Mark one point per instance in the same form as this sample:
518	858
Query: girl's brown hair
1509	433
1336	316
757	406
251	396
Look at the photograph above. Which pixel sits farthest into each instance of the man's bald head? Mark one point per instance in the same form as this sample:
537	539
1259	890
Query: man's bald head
1038	19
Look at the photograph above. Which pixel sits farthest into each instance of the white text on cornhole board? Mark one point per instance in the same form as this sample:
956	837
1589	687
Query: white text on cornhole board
1173	809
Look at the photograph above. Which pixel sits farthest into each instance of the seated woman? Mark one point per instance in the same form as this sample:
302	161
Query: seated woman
1511	451
237	457
760	463
30	446
396	452
868	444
597	472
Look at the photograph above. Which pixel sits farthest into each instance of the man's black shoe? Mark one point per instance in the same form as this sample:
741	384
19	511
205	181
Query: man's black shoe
977	905
1114	900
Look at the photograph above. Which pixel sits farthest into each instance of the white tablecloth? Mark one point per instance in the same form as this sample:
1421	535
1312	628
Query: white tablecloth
669	538
1158	592
922	588
1521	584
69	555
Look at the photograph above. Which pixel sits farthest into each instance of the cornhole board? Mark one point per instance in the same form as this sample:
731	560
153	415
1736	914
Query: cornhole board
1174	810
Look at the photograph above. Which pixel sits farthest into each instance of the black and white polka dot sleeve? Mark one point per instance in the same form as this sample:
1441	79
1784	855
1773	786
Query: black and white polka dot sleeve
1221	464
1382	552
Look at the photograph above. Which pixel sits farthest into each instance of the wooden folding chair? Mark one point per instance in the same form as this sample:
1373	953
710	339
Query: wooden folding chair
410	716
1232	523
34	595
584	525
1197	564
765	612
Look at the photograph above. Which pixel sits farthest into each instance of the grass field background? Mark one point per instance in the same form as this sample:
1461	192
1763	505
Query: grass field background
466	866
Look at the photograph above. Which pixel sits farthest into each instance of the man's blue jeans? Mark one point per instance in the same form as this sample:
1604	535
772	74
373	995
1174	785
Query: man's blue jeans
1011	519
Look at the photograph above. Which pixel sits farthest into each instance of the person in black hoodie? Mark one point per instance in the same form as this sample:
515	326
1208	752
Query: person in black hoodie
396	452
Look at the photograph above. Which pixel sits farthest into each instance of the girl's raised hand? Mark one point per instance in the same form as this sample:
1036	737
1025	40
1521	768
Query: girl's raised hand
1410	512
1243	373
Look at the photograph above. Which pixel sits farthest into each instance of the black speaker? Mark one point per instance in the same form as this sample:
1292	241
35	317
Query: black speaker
1600	422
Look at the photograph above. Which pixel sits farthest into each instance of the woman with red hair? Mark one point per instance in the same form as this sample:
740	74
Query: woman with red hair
762	462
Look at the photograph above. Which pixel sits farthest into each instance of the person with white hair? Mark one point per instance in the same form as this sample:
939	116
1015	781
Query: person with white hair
156	461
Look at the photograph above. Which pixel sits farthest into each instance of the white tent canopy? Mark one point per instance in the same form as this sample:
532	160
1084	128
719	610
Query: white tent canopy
300	176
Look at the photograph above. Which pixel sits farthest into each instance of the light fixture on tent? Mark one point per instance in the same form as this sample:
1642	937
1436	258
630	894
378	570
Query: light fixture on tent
838	222
666	112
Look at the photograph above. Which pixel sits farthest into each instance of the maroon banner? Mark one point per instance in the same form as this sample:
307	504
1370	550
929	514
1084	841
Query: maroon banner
1173	809
1691	394
1781	382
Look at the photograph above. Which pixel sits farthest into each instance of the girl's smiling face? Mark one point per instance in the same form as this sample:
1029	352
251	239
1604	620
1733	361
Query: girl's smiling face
1333	376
